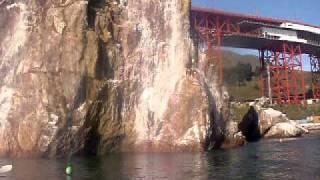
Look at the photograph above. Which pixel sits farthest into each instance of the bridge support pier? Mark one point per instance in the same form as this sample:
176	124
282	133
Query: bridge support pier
315	71
282	75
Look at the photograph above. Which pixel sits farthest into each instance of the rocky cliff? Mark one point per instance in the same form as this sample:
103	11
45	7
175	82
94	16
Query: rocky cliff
96	76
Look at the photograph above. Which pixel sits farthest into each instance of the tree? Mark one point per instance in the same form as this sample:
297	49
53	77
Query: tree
239	74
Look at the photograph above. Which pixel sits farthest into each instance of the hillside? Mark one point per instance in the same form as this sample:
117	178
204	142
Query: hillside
249	89
231	59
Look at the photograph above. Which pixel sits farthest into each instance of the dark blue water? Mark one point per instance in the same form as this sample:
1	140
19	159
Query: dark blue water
268	159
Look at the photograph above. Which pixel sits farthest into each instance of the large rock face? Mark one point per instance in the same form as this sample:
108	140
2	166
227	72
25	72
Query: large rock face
46	66
104	75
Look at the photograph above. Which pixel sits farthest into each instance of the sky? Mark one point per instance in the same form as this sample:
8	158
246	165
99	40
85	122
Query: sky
300	10
307	11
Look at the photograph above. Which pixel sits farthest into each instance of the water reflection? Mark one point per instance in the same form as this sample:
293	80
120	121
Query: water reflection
165	166
291	159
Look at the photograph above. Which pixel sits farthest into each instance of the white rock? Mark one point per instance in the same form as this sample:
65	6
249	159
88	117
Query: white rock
6	95
272	112
283	130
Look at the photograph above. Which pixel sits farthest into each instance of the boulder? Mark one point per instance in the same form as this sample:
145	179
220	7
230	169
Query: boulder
284	130
233	136
270	117
268	123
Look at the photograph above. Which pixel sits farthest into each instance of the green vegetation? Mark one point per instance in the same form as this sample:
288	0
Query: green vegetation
249	91
241	76
239	111
238	74
296	112
231	59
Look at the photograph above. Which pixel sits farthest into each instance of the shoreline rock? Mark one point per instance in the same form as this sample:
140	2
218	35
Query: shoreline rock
96	76
284	130
262	122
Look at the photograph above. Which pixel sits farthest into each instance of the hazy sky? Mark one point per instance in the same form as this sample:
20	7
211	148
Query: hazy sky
307	11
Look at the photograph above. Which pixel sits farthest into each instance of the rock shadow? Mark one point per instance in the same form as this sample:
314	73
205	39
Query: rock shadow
217	127
249	126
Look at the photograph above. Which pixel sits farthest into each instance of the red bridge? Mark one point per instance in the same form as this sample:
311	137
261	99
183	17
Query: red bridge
280	43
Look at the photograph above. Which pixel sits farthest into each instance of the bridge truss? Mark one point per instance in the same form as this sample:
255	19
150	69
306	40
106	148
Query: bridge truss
281	70
281	63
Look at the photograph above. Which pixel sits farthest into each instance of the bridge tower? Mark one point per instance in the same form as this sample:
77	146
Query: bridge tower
281	76
315	71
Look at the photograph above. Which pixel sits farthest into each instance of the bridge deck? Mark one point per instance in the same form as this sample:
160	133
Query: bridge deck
240	16
255	42
244	38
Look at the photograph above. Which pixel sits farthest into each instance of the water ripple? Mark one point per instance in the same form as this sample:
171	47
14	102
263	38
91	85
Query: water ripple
268	159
